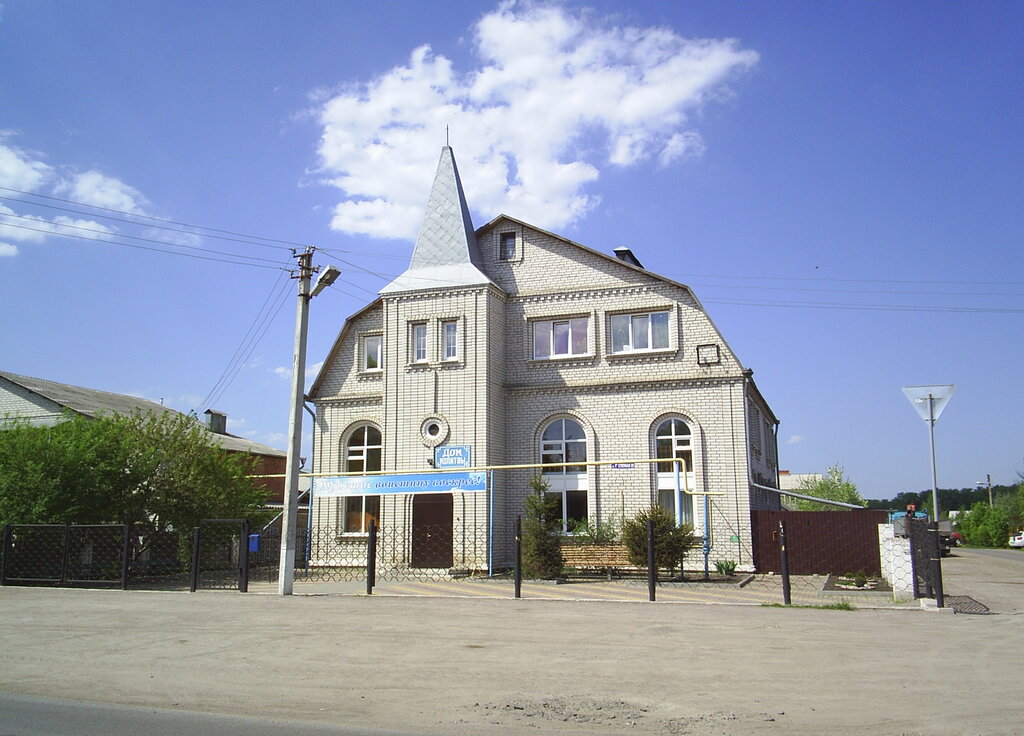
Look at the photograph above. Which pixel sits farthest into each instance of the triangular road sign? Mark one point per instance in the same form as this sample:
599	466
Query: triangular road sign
918	398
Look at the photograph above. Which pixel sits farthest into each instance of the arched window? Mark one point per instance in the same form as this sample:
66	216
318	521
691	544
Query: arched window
362	455
672	439
564	441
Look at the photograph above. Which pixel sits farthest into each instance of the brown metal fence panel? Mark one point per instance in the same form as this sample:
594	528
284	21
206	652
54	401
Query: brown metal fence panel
819	542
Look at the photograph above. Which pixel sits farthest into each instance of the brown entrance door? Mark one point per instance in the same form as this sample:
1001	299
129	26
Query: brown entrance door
432	530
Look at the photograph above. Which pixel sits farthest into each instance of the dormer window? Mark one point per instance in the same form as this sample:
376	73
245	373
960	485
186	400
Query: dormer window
507	247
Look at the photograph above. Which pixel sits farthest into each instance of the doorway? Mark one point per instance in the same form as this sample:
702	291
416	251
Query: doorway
432	530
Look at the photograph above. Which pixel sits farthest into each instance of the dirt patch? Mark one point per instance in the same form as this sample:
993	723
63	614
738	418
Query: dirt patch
609	716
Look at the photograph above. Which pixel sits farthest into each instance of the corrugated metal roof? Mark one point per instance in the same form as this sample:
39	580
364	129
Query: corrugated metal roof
93	402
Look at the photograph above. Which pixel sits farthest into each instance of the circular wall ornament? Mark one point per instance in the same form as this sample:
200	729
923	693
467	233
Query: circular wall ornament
434	430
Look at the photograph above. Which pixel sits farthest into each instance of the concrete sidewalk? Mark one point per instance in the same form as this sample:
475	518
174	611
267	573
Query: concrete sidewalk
757	590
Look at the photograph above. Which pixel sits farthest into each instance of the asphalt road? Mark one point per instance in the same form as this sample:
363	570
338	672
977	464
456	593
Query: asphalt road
322	665
22	715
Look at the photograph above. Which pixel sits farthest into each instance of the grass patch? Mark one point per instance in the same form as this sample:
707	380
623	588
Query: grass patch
837	606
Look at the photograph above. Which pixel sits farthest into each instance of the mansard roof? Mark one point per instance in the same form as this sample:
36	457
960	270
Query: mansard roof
446	253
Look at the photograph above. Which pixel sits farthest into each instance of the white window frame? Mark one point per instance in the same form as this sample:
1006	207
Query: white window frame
640	329
565	480
680	446
547	329
418	342
360	454
368	353
450	339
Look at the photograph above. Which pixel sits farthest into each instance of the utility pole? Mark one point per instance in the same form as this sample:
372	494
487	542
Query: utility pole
987	482
286	571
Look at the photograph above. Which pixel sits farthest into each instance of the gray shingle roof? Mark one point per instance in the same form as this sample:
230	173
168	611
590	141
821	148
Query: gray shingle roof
92	403
446	252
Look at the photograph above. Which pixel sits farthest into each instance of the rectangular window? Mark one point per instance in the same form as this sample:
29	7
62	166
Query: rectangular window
419	343
507	247
638	332
359	512
371	353
563	337
450	336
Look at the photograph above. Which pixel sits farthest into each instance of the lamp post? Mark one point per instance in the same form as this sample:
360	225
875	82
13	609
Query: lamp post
928	402
988	483
286	568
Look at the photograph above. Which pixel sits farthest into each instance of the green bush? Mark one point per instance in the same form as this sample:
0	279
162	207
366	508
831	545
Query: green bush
984	526
671	542
725	567
586	532
541	548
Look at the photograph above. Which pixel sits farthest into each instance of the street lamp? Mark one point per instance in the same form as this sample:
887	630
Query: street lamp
928	402
286	568
987	482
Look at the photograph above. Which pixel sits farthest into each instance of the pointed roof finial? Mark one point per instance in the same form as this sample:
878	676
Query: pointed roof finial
447	143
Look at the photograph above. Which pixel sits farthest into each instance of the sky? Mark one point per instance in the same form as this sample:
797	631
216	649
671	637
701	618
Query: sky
840	184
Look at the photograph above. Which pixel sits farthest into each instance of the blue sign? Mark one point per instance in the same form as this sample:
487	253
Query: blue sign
623	466
374	485
452	456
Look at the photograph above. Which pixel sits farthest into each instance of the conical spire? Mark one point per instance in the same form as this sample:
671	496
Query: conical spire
446	252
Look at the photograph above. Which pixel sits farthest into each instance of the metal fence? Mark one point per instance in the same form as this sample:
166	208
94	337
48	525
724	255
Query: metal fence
926	558
211	556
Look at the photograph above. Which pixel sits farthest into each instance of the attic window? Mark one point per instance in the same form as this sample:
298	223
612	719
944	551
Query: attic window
507	247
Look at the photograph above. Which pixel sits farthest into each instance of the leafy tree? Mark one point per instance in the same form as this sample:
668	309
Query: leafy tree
163	471
671	542
985	526
833	486
541	545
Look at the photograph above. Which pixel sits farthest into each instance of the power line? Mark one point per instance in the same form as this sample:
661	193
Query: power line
856	307
159	220
856	291
851	281
62	225
133	222
271	307
108	241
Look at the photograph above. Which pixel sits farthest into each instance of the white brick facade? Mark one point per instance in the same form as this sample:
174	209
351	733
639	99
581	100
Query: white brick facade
496	397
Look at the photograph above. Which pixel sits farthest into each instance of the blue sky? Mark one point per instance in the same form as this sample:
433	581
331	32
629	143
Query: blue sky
840	183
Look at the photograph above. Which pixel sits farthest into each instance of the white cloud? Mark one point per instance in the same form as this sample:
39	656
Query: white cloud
99	190
556	97
6	249
282	372
795	439
35	229
19	171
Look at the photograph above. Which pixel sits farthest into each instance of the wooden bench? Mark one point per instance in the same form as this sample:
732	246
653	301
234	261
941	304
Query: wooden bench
607	558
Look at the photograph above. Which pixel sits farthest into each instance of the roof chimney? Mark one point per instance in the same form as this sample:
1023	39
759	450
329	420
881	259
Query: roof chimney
625	254
216	421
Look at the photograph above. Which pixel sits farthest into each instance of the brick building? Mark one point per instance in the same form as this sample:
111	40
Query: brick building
525	347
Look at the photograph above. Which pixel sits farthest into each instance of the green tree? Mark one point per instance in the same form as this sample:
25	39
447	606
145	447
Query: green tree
541	543
671	542
832	486
162	471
